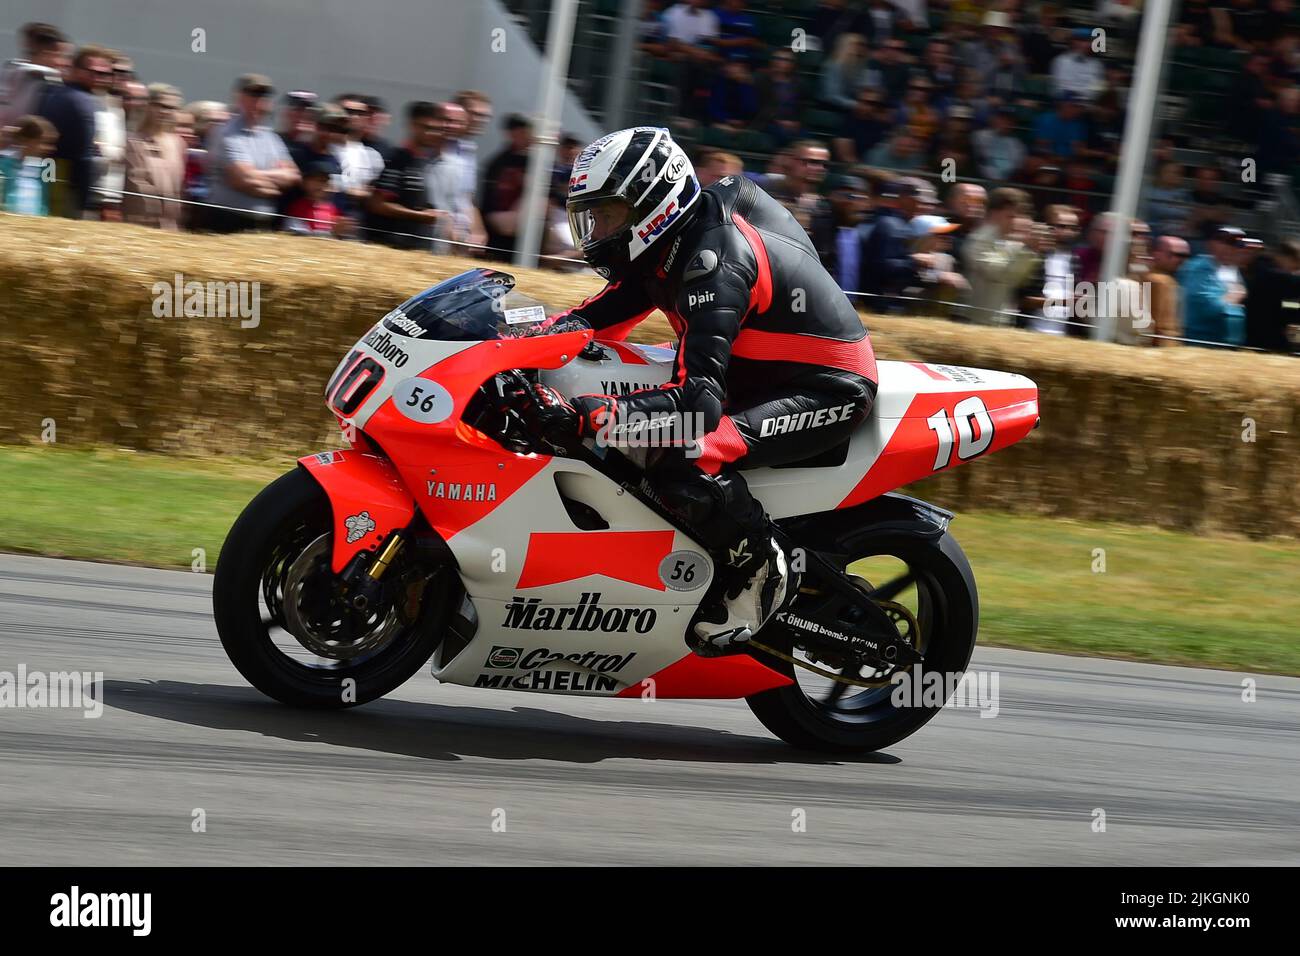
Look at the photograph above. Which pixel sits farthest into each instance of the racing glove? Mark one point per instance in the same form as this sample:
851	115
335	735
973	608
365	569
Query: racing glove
560	422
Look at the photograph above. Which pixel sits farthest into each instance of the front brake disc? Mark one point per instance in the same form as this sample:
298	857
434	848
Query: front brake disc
329	632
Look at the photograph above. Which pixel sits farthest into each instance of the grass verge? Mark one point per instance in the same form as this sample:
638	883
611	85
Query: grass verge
1162	596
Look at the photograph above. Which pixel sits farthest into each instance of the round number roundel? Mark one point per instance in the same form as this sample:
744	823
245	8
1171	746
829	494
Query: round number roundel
422	400
684	570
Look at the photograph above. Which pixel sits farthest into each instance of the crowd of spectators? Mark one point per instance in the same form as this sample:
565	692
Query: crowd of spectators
946	158
84	138
959	157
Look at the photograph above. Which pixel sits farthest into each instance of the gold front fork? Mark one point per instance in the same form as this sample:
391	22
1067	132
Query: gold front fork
386	556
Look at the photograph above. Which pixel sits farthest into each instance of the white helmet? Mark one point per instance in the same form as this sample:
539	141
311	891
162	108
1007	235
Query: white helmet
628	190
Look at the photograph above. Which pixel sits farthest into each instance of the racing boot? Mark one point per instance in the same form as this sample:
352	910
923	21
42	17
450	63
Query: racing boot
759	582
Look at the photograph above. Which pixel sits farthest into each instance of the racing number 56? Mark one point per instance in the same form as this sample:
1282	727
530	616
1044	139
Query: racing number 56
426	406
974	431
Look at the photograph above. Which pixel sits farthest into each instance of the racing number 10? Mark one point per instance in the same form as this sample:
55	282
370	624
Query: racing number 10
970	414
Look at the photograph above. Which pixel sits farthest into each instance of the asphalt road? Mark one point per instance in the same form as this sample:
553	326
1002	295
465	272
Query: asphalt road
1186	772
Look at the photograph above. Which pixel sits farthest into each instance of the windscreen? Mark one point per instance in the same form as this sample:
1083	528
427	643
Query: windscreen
475	306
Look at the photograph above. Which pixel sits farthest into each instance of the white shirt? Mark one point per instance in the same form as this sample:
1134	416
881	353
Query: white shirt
24	85
689	25
1122	10
9	75
465	152
1230	276
1058	290
443	177
1081	75
361	164
110	137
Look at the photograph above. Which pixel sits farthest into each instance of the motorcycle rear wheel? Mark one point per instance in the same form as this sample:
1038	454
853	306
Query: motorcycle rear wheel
273	573
938	582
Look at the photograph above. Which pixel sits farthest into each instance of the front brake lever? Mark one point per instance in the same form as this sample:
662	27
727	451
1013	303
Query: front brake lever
511	385
522	385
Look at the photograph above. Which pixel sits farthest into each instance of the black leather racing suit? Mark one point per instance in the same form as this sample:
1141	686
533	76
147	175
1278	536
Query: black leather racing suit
773	362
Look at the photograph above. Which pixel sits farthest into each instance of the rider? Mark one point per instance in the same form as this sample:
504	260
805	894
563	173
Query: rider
773	360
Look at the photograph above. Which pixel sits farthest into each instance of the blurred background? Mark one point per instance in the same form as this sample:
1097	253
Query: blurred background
942	118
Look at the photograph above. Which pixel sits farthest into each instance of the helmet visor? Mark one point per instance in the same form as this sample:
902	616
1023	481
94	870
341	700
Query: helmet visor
598	219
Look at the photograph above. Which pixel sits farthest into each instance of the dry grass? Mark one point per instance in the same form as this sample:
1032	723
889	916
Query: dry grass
1144	435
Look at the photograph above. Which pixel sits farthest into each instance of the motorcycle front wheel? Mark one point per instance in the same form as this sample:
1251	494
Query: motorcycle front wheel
281	618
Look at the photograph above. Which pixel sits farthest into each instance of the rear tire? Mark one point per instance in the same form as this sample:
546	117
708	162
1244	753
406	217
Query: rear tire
866	720
276	528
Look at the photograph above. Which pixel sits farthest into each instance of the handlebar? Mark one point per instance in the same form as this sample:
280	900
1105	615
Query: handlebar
512	385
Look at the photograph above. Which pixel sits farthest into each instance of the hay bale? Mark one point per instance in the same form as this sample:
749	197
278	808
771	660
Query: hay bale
1153	436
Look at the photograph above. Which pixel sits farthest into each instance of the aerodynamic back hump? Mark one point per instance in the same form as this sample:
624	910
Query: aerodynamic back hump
929	418
926	419
903	383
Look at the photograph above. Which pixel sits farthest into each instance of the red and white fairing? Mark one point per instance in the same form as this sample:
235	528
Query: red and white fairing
603	612
921	411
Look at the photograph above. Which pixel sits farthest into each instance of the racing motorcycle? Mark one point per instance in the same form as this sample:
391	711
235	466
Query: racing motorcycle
450	531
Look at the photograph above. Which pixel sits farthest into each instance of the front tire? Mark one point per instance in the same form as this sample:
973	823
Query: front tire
275	560
939	583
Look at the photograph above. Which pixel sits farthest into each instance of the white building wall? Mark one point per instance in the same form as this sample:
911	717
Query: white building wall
400	50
